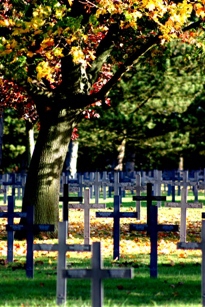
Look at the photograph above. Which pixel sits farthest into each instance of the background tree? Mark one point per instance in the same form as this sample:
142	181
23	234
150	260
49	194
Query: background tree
61	57
147	111
14	142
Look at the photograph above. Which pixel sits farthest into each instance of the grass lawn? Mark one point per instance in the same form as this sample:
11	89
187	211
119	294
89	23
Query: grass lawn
179	272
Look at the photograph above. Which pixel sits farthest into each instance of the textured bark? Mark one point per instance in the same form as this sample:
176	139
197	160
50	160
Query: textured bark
30	141
121	155
1	135
43	179
71	158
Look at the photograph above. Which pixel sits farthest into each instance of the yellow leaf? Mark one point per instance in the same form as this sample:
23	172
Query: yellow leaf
92	56
150	6
29	54
49	55
70	2
77	54
60	11
47	42
58	52
44	71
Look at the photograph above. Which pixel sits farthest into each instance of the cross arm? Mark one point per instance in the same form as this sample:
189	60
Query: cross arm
138	227
46	247
77	273
157	198
189	245
14	214
105	214
71	198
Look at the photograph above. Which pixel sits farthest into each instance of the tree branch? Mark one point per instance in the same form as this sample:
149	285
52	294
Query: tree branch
193	25
103	52
125	67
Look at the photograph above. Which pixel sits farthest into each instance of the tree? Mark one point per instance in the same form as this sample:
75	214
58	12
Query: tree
147	111
61	58
14	141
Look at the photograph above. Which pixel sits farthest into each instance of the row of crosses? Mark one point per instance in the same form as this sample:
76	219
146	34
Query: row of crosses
96	273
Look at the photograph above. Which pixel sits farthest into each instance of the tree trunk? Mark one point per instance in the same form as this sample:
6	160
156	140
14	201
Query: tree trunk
1	135
130	162
74	158
71	158
43	179
121	155
30	141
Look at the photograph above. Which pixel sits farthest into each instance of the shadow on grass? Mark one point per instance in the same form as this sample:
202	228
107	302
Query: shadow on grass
177	285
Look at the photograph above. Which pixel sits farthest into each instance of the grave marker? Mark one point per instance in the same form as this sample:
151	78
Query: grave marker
105	182
10	215
62	248
157	184
97	184
201	246
116	215
66	199
97	273
138	191
86	207
153	229
149	198
30	228
184	205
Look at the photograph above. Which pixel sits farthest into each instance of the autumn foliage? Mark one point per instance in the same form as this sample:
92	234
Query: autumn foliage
60	58
103	37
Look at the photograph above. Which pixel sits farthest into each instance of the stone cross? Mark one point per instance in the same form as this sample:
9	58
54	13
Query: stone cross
201	246
62	248
10	215
30	229
105	181
86	207
115	186
184	205
66	199
149	198
153	229
138	191
11	183
97	273
157	184
116	215
97	185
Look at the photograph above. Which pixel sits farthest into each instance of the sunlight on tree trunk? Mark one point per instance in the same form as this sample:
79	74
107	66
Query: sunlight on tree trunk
30	141
1	135
43	179
71	158
121	155
181	163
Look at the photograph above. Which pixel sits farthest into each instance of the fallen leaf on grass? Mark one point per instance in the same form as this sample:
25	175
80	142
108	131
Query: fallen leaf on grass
197	263
171	263
175	293
180	283
39	262
182	255
182	264
120	287
3	262
20	266
158	294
